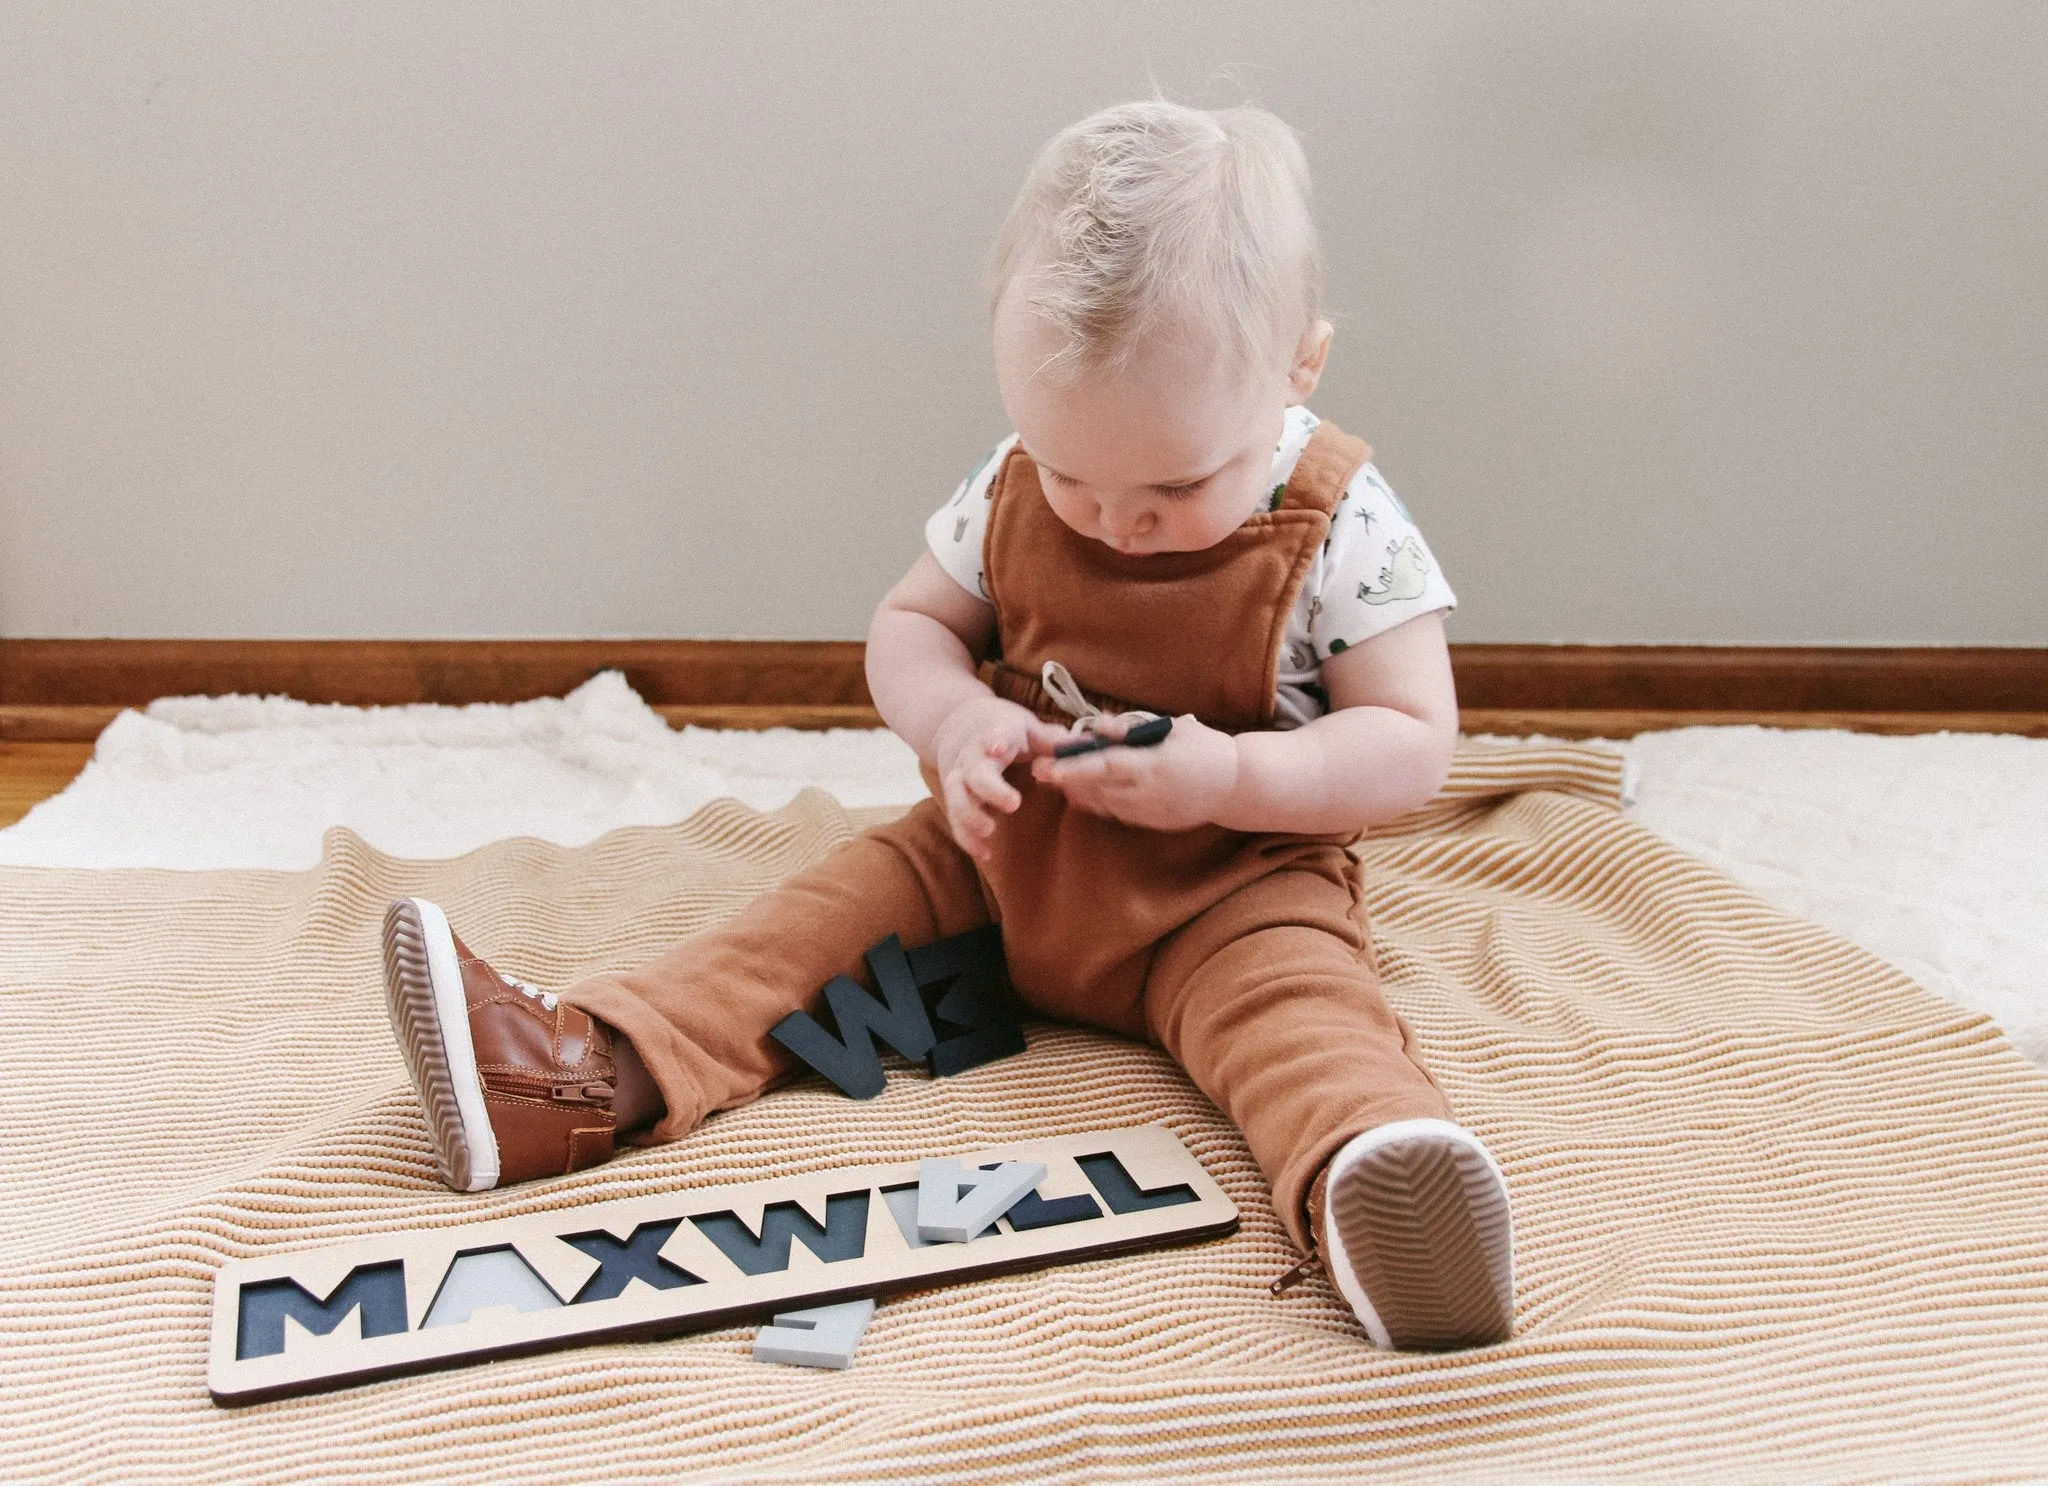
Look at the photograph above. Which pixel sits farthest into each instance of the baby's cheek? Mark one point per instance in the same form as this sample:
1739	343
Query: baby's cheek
1217	517
1076	512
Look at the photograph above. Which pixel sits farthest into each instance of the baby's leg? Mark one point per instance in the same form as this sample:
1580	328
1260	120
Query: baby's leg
520	1083
1271	1001
697	1017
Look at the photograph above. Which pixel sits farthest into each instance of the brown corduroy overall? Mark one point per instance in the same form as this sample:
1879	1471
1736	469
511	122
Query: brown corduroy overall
1245	956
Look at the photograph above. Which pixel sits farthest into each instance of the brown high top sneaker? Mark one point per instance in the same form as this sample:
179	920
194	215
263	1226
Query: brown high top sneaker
1413	1224
515	1085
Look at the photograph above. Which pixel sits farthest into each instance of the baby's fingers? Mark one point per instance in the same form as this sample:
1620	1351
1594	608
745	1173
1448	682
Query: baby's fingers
984	780
1120	765
972	826
1041	738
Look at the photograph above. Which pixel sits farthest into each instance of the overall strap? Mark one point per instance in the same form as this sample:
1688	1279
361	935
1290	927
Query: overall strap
1324	471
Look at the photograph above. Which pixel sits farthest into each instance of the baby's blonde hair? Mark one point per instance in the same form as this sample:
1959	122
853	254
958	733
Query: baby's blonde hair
1152	214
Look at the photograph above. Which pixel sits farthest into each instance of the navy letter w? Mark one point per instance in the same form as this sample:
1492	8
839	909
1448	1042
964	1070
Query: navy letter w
850	1059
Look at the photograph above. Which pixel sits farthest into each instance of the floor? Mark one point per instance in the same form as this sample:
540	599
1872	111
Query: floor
32	772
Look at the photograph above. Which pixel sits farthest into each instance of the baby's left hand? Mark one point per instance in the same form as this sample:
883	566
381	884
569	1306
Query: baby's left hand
1182	782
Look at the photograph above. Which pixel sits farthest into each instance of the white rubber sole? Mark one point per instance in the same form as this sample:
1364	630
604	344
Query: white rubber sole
1419	1237
430	1019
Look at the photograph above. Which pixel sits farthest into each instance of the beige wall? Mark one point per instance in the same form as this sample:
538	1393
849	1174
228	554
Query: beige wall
1719	322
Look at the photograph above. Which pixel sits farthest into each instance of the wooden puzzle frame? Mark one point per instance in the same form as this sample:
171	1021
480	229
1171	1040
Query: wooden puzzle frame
688	1259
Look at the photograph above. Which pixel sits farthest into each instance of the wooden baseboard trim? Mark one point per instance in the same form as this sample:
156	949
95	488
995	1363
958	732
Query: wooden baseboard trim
365	673
1626	723
774	716
62	690
1753	678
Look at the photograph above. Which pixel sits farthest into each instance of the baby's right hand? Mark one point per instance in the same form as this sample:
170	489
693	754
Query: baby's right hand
976	742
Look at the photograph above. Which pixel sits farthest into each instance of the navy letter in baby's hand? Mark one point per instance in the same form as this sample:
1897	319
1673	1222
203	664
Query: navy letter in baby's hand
1143	735
1184	778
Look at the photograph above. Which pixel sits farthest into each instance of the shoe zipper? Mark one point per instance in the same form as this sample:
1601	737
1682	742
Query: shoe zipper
595	1092
1297	1274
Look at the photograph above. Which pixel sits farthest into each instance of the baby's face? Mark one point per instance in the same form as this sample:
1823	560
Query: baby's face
1169	454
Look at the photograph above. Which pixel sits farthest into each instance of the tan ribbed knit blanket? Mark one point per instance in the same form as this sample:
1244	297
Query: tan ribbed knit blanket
1779	1212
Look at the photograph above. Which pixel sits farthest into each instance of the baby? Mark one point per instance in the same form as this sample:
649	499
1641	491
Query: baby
1169	532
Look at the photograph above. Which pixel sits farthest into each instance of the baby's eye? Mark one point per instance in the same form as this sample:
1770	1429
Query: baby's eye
1179	492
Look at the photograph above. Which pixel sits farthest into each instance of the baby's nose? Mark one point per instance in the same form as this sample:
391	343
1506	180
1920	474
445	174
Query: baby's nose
1125	524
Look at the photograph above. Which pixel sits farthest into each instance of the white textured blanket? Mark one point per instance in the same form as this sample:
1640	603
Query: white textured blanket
1925	850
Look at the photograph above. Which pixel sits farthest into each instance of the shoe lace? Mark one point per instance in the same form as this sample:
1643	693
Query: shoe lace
546	998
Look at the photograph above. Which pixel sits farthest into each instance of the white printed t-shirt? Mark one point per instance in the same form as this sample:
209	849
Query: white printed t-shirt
1374	570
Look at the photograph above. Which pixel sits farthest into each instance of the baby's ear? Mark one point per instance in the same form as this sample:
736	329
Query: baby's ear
1309	355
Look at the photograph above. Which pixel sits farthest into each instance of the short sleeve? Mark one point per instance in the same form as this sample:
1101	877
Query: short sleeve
954	531
1377	572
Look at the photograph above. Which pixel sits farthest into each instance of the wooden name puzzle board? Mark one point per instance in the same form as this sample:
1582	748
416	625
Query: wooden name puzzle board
677	1261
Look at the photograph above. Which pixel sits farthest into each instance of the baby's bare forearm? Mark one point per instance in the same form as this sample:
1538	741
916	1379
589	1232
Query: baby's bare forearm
918	672
1355	768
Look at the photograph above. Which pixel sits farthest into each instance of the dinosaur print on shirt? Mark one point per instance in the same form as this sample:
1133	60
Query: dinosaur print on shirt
1405	576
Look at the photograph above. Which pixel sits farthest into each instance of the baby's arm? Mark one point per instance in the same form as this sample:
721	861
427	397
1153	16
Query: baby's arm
923	646
1384	748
